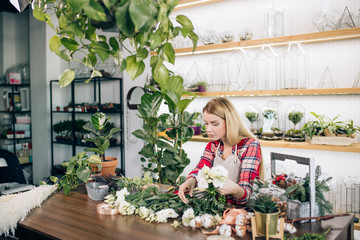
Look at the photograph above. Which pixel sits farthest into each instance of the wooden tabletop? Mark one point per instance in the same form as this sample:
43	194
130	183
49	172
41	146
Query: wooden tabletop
74	217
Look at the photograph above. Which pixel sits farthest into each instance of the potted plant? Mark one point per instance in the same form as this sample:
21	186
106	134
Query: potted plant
77	170
100	136
252	116
268	131
63	129
146	24
266	212
293	134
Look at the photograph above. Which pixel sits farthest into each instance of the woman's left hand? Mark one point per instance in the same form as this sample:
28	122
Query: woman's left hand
229	188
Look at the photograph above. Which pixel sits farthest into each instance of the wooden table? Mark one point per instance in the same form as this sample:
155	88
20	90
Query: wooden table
74	217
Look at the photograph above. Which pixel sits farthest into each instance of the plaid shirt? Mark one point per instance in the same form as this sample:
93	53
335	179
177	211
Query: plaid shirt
249	153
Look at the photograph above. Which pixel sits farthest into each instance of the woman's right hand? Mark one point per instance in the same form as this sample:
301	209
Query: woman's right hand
187	186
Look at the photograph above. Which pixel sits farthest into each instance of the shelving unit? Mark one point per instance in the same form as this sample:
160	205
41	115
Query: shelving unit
21	146
284	92
96	97
355	147
325	36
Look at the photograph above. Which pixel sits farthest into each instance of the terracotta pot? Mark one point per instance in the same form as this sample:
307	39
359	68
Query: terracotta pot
108	167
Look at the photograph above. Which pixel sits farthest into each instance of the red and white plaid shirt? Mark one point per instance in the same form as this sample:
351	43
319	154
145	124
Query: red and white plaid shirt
248	152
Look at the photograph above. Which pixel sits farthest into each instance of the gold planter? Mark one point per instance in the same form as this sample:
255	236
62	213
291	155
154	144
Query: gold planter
262	218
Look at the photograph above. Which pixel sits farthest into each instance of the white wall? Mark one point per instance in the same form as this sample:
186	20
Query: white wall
341	57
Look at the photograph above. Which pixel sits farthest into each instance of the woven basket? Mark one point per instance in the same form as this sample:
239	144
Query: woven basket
337	141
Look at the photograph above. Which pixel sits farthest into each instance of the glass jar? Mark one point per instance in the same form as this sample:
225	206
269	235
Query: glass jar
252	115
271	121
294	121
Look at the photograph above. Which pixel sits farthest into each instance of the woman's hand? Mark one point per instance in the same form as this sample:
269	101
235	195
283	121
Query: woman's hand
231	188
187	186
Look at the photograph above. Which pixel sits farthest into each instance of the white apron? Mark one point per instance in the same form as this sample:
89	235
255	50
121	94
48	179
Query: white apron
231	163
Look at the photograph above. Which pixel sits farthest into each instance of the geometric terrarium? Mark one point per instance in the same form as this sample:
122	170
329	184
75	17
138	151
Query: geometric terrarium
271	121
252	115
266	69
294	121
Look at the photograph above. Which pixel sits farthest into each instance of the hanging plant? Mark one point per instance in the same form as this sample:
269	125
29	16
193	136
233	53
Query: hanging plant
144	23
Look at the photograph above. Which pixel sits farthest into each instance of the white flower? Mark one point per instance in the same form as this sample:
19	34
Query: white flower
206	220
176	224
144	212
126	208
225	230
241	219
187	216
163	215
151	217
216	175
240	230
110	199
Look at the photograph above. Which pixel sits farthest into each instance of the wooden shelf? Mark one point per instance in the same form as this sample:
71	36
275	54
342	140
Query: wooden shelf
355	147
357	225
193	3
284	92
302	38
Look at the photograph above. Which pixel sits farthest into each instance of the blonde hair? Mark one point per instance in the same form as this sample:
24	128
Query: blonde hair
236	130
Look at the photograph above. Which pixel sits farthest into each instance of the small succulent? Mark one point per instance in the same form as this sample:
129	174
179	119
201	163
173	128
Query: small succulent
269	114
295	117
265	204
252	116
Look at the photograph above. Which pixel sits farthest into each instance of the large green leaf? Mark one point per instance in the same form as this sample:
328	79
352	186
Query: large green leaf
194	38
95	11
76	5
55	44
142	13
102	49
83	173
134	68
167	146
141	54
109	3
161	75
168	53
155	39
69	43
171	174
184	103
123	20
150	103
38	13
66	78
75	28
114	43
147	151
185	22
168	159
143	135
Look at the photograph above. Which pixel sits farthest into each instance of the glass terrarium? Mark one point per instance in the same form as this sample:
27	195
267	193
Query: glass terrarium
294	68
216	73
267	69
252	115
294	121
271	121
274	22
239	69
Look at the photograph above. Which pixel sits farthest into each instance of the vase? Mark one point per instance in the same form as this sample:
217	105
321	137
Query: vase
108	166
263	218
96	191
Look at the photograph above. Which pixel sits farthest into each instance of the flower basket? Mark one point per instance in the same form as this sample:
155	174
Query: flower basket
337	141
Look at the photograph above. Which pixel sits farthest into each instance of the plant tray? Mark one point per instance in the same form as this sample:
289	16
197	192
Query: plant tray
337	141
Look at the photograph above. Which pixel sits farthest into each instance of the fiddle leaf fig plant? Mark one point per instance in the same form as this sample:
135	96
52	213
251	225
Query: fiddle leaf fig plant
144	23
165	156
100	135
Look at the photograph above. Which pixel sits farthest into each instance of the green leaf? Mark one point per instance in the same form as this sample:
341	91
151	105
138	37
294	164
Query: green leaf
66	189
167	52
69	43
161	75
142	12
123	65
141	54
102	49
66	78
95	11
194	38
109	3
76	5
184	103
54	179
55	44
114	43
96	73
48	21
38	13
65	54
83	173
155	39
123	20
185	22
134	68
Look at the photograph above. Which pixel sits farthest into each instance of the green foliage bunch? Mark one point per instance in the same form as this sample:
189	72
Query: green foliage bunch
295	117
165	156
134	184
301	191
144	23
269	114
100	135
252	116
264	204
317	127
77	170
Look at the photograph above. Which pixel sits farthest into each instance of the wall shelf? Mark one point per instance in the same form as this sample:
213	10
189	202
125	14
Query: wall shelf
355	147
302	38
284	92
193	3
